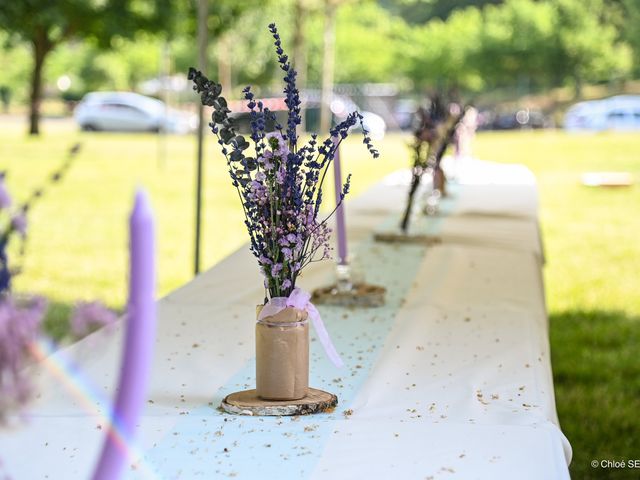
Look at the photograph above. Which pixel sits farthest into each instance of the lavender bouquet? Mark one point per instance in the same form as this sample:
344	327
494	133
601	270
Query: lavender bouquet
279	182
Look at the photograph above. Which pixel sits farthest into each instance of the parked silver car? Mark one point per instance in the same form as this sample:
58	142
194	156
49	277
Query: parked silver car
131	112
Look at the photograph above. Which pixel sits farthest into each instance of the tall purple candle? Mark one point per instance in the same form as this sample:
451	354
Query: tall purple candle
138	348
341	228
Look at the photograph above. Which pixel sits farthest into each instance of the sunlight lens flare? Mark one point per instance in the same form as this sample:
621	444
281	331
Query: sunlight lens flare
90	398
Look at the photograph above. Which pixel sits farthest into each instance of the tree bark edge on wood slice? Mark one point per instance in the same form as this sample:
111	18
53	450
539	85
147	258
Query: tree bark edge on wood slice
362	295
248	403
388	237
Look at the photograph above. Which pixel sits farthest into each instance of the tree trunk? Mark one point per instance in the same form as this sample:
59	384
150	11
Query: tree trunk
41	47
224	62
578	86
299	51
328	58
203	43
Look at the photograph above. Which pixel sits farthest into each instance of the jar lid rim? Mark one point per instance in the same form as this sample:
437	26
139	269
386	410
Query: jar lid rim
282	324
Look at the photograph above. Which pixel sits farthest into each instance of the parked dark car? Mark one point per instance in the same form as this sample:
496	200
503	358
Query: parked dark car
523	118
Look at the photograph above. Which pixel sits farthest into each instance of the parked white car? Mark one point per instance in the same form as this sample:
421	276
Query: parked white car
131	112
372	122
621	112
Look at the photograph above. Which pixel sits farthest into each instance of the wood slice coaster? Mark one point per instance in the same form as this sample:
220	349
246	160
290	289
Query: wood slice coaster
361	295
399	237
247	402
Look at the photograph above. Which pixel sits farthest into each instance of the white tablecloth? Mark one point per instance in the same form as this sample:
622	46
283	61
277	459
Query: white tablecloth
451	379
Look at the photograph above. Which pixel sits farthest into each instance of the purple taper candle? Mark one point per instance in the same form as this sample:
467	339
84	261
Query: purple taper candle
139	340
341	229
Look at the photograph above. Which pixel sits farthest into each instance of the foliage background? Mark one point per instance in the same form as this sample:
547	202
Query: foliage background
473	45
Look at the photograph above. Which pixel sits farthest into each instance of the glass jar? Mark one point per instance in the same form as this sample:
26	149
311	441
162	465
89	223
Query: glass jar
282	355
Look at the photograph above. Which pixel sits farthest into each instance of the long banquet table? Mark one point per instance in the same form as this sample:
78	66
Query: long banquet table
450	379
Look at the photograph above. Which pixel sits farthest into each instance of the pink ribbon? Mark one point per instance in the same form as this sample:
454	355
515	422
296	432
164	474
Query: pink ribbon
300	299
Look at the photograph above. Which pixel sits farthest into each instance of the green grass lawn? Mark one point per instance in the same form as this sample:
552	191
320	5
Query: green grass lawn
593	252
77	247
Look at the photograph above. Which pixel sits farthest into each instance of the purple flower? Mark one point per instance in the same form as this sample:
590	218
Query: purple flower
274	139
19	328
278	144
257	192
276	269
286	285
5	198
268	164
255	186
264	260
19	223
91	315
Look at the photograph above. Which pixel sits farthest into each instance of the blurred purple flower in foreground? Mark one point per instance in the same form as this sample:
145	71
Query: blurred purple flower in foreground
19	327
5	198
89	316
19	223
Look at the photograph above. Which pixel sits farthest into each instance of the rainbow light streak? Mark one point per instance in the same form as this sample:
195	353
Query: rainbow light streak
89	398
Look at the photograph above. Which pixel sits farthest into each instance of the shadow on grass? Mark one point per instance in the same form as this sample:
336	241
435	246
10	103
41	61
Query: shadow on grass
596	366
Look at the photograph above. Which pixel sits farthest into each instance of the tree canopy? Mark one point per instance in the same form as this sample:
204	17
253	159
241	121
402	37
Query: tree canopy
44	25
471	45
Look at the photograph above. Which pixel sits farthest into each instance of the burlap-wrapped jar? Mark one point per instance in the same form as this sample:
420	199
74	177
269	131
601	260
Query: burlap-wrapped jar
282	355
